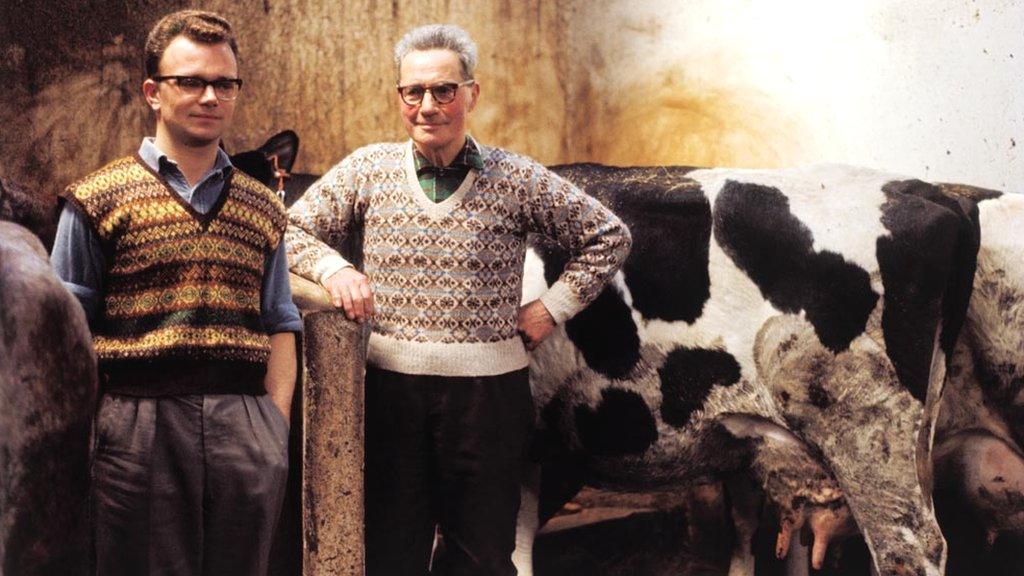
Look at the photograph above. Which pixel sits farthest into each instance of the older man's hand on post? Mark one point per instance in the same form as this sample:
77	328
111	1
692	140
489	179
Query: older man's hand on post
534	324
350	289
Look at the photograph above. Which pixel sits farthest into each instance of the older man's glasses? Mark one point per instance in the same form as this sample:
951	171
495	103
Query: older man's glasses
442	93
223	88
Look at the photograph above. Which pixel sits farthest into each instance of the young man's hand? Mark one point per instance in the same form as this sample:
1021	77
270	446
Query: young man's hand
350	289
534	324
282	370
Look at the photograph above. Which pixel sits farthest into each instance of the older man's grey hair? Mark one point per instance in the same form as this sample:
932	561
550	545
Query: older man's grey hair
439	36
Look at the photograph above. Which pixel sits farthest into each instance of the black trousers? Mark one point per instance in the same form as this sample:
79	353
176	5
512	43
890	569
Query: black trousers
444	451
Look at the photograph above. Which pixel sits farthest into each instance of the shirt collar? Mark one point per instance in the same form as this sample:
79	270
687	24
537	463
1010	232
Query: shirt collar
160	163
468	157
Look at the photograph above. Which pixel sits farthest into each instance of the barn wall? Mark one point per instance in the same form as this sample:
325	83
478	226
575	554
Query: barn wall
321	68
924	87
333	60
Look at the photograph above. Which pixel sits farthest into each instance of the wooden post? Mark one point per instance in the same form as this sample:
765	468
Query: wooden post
332	476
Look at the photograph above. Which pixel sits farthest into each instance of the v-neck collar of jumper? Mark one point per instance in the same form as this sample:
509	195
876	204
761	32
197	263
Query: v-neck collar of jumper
439	209
440	182
201	197
217	200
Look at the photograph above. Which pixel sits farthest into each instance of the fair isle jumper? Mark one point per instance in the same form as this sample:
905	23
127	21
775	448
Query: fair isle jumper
181	307
447	276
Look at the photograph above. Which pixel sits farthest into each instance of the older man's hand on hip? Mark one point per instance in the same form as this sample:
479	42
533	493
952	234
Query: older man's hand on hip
534	324
350	289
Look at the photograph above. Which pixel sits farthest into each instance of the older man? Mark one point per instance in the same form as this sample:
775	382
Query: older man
179	263
444	220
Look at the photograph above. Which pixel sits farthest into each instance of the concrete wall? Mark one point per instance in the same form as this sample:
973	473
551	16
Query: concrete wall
931	88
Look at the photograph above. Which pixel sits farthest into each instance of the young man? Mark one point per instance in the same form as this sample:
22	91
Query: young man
444	221
179	263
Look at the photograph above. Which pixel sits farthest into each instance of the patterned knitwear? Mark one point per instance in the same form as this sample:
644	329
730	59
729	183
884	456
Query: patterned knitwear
181	309
447	276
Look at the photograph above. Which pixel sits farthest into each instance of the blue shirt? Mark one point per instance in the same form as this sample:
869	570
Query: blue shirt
78	260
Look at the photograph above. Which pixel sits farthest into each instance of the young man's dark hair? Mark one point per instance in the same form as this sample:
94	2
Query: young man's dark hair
196	25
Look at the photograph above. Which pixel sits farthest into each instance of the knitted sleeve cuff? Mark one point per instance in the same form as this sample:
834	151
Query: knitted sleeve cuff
561	302
329	265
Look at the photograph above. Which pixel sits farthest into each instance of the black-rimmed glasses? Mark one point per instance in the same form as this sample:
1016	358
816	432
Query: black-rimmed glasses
223	88
442	93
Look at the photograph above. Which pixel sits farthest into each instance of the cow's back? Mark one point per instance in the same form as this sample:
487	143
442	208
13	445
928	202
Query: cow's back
47	394
718	252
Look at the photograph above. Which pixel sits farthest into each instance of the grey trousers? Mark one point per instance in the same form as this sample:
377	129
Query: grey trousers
187	485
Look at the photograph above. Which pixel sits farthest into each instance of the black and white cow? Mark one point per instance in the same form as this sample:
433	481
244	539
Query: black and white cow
979	463
796	322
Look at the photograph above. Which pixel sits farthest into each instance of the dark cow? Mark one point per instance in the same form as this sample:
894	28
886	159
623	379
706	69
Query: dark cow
36	212
272	164
47	390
